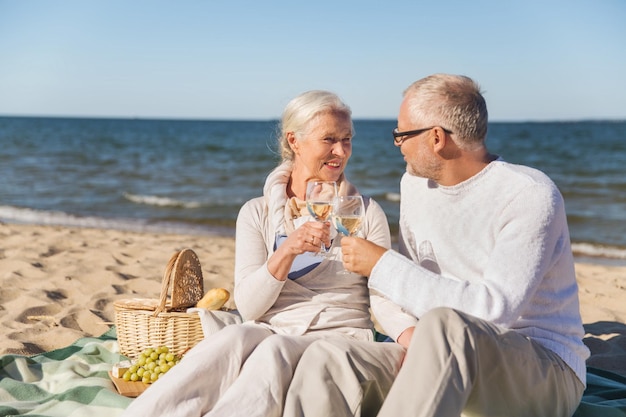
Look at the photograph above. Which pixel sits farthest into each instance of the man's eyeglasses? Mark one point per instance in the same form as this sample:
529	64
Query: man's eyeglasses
399	137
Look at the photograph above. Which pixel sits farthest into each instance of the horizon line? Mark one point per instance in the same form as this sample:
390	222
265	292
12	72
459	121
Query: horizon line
259	119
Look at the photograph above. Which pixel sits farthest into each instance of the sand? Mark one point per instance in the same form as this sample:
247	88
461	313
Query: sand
58	284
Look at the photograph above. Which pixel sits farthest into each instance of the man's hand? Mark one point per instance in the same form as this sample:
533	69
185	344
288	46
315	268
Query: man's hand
360	255
405	337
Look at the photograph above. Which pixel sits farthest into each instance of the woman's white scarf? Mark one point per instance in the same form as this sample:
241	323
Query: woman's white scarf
275	193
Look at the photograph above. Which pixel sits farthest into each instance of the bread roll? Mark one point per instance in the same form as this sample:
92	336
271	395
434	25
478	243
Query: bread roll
214	299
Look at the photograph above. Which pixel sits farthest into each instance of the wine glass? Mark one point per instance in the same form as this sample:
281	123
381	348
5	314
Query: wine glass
320	196
348	215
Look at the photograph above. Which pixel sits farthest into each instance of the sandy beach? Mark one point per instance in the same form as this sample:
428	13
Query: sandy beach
58	284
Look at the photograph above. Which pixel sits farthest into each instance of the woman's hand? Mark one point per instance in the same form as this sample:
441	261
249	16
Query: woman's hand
306	238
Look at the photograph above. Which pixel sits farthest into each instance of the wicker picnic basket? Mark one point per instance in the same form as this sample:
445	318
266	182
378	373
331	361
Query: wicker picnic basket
143	323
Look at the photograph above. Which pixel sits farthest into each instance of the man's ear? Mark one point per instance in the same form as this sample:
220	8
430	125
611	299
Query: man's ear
439	139
444	145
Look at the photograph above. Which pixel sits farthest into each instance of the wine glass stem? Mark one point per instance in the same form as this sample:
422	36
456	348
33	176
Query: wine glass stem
323	249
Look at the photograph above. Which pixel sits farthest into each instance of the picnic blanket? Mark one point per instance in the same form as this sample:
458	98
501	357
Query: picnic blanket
73	382
69	382
605	395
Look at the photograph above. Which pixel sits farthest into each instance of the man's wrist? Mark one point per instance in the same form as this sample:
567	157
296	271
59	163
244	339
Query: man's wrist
376	266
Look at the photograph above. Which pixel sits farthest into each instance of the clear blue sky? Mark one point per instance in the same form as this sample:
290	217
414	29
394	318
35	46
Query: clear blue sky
535	59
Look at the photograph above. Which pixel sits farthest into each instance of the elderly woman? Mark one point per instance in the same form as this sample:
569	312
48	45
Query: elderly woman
288	297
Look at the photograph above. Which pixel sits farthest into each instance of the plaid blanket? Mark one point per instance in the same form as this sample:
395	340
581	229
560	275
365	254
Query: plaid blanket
68	382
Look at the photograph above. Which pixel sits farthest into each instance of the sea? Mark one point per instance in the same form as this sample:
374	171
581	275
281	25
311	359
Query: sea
192	176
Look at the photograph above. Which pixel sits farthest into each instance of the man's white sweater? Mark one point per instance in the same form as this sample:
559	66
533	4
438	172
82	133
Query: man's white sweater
495	246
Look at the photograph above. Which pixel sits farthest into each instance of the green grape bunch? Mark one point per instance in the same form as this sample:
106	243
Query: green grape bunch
151	364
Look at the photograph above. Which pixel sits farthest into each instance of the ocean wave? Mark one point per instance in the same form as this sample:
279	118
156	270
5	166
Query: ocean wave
153	200
595	250
395	197
46	217
19	215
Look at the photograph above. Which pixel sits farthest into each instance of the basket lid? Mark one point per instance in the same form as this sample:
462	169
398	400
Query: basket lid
187	281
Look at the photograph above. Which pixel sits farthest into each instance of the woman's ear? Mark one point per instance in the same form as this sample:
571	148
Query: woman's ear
293	142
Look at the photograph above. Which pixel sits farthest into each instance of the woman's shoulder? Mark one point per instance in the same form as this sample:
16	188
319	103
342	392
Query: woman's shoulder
371	204
254	205
374	211
255	202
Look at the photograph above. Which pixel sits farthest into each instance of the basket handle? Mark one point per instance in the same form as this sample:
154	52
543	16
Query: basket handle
165	284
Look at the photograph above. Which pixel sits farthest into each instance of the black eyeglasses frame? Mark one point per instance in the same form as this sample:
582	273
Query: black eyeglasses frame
400	137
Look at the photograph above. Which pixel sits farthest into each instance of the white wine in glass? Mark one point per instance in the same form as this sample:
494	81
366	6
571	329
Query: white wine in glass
320	210
320	196
348	215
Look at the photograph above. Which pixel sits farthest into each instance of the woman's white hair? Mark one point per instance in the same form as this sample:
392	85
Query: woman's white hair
301	110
